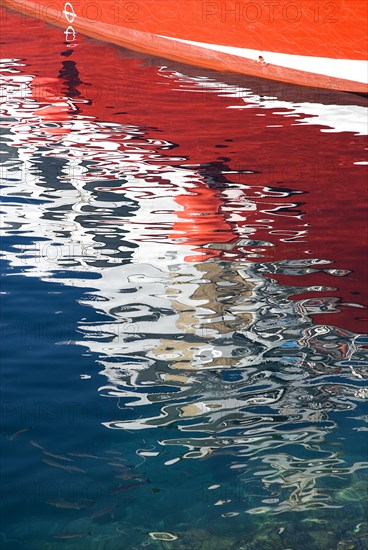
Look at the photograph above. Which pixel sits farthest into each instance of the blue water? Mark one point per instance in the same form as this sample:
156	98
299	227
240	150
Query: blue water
161	388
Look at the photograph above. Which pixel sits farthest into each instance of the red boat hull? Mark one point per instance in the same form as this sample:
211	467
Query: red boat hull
320	44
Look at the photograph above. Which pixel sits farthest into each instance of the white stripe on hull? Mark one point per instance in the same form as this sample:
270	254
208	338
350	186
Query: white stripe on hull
348	69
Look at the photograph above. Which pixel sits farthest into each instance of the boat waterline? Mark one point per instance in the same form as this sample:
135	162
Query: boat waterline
325	52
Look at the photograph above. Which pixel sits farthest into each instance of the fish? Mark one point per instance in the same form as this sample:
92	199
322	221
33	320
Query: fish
133	477
87	455
66	504
19	432
70	535
128	476
60	457
55	464
63	466
35	444
103	512
118	465
49	453
114	459
123	488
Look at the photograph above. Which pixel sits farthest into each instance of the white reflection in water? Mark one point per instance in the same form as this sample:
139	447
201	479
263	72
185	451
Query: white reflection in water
193	329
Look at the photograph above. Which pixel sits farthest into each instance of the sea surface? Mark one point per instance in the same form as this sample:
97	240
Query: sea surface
183	305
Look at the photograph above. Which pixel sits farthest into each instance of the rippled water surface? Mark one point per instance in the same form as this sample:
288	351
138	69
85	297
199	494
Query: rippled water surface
183	305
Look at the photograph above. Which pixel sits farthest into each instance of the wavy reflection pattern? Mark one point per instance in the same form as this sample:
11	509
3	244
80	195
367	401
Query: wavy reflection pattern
199	332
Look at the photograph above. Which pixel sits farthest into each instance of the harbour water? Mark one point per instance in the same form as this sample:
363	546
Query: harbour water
183	299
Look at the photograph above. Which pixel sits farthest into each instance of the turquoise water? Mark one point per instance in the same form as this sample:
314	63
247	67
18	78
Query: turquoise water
183	335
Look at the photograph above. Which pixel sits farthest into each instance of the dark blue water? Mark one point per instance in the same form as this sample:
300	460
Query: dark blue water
183	357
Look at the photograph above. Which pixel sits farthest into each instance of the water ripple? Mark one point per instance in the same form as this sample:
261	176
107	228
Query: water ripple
201	294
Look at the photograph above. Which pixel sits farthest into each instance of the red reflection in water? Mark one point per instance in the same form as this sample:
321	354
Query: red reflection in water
263	151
